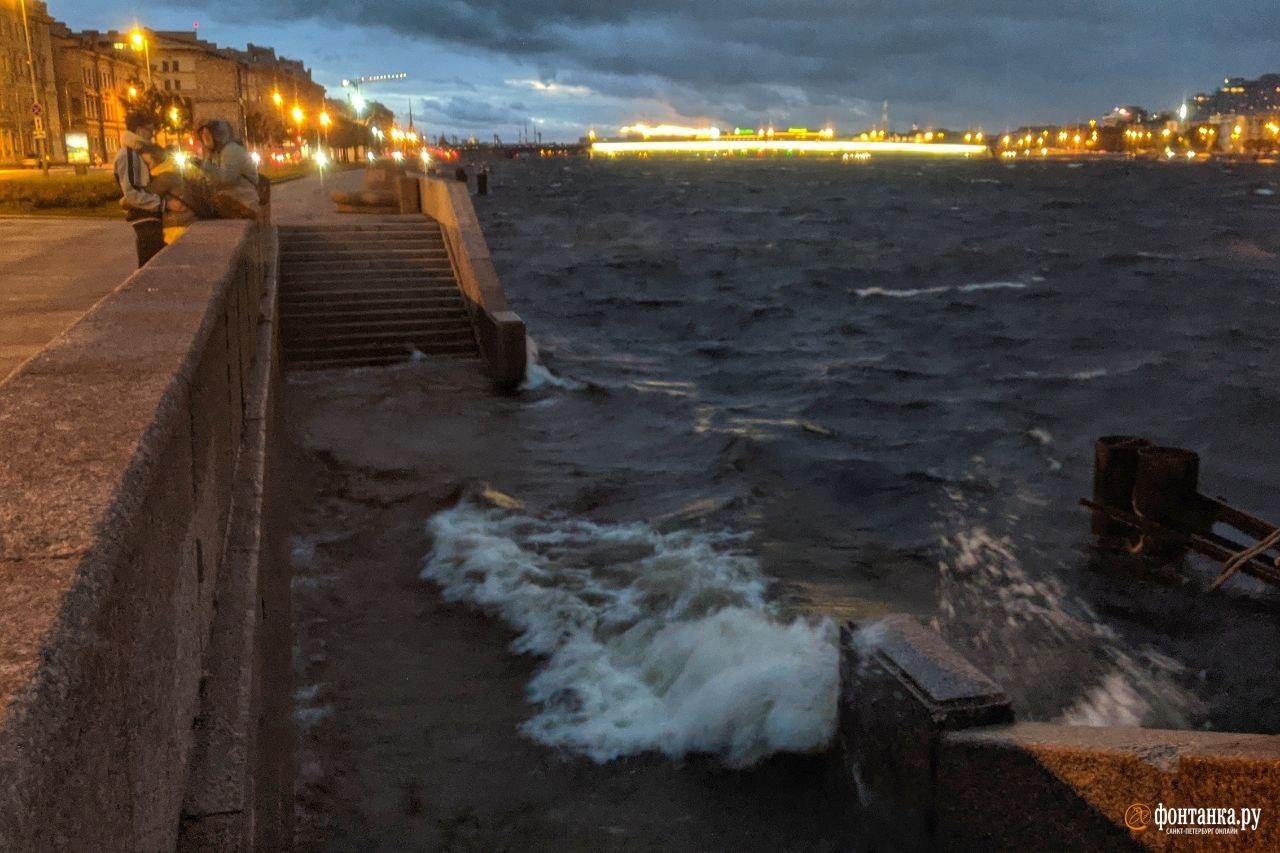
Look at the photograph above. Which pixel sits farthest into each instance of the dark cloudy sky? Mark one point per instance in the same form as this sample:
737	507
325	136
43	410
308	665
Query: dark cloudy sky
485	66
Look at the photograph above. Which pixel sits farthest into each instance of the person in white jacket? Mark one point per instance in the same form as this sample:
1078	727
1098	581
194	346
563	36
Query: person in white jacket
231	174
143	209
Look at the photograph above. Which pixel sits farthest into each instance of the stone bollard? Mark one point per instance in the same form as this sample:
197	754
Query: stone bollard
482	182
461	174
901	689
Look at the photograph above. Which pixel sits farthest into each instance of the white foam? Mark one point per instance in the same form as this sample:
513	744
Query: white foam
653	641
993	285
537	376
908	293
905	293
1041	435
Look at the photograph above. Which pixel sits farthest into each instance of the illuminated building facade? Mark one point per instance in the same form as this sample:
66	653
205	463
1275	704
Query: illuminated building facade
18	122
96	80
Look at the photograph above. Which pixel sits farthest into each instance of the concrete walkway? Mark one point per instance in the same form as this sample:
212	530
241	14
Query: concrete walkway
53	271
306	201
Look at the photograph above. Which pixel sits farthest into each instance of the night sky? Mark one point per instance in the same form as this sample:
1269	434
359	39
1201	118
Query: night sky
486	66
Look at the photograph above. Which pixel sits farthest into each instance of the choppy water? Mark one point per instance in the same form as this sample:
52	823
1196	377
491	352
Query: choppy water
858	388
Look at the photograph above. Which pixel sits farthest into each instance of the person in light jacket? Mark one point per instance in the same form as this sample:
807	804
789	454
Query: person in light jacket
143	209
230	172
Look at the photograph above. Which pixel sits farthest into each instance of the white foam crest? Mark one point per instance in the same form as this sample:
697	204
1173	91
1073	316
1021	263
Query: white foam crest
992	285
908	293
537	376
905	293
653	641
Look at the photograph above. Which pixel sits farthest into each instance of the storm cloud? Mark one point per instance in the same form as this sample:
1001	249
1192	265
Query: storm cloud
955	62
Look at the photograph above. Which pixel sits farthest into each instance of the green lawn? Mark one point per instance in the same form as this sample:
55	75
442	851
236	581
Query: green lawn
97	195
64	194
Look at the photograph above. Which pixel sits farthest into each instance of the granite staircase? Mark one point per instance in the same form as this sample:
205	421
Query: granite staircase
370	293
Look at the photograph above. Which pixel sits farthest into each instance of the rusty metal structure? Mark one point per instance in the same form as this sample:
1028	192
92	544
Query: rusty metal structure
1146	500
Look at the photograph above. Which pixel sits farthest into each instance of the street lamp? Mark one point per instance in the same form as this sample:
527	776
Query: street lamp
278	100
298	115
140	42
37	131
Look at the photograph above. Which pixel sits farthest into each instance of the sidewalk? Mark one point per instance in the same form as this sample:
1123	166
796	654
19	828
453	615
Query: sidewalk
52	272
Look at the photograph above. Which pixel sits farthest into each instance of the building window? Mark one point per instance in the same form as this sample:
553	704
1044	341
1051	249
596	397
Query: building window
164	66
166	84
77	107
175	65
177	85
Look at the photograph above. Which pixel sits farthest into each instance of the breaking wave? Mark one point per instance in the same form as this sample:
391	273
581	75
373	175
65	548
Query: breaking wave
654	641
536	374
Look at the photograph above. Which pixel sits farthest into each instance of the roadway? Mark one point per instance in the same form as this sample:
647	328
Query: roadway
51	272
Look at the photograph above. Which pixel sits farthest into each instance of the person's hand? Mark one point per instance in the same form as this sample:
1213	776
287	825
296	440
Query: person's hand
175	206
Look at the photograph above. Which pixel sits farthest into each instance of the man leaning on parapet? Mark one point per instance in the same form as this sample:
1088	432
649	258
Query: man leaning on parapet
143	209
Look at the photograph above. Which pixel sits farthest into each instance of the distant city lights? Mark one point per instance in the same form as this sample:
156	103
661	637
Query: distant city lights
647	131
784	146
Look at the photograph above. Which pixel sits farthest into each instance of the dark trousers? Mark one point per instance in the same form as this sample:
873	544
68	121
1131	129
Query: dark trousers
149	235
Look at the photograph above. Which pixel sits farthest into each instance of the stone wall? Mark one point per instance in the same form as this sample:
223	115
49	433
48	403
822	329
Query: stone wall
500	330
128	506
934	760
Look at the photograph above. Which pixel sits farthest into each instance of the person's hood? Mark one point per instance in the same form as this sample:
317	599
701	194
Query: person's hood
221	130
129	139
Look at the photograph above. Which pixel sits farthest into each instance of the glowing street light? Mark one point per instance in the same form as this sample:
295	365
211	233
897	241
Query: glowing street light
298	115
324	119
140	42
174	116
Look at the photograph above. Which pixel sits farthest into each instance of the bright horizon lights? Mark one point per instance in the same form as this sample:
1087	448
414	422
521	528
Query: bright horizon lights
808	146
642	129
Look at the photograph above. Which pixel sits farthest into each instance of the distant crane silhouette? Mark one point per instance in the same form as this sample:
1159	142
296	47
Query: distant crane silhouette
354	84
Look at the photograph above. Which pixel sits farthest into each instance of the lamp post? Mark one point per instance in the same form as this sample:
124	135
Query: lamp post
37	132
324	126
140	42
278	100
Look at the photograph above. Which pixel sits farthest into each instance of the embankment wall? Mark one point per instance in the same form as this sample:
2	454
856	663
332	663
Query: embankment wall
139	622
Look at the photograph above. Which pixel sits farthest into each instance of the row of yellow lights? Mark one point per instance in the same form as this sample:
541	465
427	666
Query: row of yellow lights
297	112
816	146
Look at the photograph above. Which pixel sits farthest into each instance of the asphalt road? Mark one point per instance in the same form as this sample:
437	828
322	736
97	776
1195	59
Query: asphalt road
51	272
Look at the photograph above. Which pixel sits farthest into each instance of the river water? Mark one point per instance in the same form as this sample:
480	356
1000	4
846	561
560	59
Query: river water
780	387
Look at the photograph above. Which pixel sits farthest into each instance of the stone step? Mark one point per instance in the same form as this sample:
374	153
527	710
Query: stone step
369	361
291	256
384	303
379	265
374	291
293	250
401	348
405	323
408	277
313	312
415	225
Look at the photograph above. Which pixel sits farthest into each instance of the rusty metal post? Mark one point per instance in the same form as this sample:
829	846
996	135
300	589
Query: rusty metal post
1115	464
1165	491
1164	488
